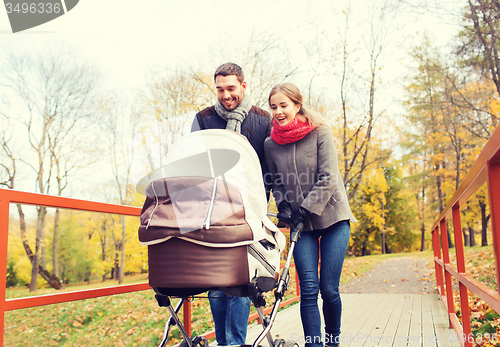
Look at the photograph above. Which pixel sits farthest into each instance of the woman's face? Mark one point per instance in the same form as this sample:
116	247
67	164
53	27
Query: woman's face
283	109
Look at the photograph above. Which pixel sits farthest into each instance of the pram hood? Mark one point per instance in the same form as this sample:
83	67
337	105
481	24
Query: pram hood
211	184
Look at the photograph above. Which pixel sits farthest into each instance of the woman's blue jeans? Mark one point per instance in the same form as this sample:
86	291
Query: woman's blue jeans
230	315
333	246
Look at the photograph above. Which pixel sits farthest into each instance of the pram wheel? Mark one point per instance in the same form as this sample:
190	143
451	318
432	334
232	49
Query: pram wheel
290	343
196	341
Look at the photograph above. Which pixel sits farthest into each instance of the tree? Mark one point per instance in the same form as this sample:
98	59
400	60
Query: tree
481	39
54	94
400	211
453	111
79	252
121	127
356	136
263	69
369	213
429	116
418	179
166	110
263	58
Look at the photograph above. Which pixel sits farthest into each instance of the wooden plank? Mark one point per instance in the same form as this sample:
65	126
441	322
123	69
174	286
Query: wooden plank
367	333
427	323
443	334
352	315
415	335
385	327
376	320
287	325
376	335
400	339
355	334
391	326
352	304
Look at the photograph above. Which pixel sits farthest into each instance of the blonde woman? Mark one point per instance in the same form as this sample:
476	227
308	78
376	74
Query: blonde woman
308	188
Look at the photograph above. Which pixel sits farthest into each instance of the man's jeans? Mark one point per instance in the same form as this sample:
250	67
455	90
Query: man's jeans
334	241
230	315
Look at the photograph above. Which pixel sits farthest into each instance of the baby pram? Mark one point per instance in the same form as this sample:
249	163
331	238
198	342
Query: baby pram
205	224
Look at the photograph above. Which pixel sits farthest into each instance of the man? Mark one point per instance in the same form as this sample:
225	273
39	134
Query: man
234	111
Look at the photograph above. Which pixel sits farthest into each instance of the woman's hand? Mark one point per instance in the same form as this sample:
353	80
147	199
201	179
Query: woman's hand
285	212
299	216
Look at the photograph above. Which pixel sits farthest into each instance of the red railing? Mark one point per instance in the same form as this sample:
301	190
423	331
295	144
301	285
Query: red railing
18	197
486	169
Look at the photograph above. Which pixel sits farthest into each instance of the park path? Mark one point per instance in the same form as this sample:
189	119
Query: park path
401	275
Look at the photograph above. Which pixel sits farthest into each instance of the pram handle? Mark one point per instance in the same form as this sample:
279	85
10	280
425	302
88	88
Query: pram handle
283	281
282	284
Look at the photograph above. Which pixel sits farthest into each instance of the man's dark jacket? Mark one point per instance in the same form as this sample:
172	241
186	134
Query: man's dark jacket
256	128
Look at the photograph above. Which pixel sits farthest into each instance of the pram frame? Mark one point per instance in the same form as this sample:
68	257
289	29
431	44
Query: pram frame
257	299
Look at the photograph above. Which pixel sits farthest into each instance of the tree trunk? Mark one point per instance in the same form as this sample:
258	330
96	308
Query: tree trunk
466	238
40	223
383	244
117	266
55	241
53	280
122	257
103	246
488	38
422	242
472	242
422	228
43	256
484	224
450	242
387	249
440	200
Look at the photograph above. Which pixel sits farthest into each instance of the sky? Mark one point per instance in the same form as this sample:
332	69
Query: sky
128	39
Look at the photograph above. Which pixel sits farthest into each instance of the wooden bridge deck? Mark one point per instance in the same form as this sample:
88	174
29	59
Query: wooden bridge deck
377	320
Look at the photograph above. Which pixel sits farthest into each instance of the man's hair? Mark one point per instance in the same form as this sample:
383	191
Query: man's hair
228	69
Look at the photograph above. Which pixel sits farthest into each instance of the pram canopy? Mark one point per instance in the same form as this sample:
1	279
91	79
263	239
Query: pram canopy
204	219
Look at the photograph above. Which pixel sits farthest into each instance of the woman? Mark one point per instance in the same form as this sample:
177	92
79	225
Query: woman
308	188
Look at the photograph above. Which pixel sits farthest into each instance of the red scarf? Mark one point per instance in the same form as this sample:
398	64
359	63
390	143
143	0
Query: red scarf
291	132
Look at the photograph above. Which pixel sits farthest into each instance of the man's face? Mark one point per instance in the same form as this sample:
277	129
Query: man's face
229	91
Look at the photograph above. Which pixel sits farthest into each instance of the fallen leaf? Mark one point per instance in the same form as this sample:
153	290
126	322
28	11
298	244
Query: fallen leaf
477	315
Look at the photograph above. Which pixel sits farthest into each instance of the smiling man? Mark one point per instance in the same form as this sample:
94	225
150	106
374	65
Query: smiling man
234	111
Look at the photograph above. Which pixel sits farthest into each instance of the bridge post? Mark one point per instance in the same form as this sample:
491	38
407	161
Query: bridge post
436	246
187	317
447	275
4	241
493	179
464	294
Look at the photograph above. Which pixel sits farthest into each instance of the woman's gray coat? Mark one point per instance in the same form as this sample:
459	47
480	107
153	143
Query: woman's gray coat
306	173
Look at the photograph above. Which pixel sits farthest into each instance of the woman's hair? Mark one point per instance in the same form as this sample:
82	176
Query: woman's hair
293	93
